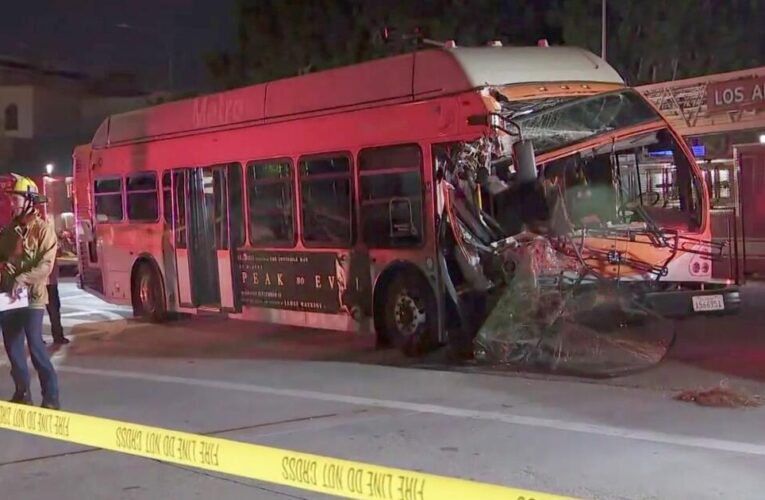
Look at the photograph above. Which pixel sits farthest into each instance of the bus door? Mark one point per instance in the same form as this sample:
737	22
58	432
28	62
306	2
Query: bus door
180	241
90	275
203	253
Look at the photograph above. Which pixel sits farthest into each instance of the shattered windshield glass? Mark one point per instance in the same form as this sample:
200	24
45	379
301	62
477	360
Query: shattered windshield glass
552	123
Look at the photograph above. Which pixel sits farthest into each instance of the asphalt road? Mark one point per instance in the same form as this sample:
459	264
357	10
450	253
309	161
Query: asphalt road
333	394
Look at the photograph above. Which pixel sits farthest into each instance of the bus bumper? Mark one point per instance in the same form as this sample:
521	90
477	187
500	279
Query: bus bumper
686	303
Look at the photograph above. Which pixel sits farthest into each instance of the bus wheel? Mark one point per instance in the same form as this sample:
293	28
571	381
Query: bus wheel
410	315
148	302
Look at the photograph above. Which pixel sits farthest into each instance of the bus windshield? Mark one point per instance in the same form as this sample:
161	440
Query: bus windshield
555	122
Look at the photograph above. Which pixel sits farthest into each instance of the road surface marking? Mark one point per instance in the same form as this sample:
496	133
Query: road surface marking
664	438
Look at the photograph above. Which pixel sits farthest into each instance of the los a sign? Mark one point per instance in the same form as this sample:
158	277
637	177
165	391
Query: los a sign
741	94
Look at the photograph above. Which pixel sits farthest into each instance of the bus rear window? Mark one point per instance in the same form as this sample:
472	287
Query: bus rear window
108	199
327	201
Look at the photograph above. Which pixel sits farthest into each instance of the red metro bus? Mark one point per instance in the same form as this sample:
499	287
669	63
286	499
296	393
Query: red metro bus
315	200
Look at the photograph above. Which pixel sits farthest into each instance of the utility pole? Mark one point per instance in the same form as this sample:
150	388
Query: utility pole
603	30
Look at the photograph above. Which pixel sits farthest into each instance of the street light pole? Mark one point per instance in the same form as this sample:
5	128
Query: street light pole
603	30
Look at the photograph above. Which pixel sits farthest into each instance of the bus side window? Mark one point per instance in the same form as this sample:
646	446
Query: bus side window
391	196
108	200
327	201
271	201
142	202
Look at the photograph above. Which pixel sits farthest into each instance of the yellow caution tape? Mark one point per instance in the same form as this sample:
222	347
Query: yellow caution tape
343	478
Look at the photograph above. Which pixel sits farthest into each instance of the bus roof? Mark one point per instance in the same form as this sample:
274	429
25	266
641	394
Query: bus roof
403	78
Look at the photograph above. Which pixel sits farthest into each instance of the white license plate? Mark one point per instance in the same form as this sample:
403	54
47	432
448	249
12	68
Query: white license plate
708	303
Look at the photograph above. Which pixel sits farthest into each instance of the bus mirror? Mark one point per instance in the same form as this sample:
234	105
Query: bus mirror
525	162
476	120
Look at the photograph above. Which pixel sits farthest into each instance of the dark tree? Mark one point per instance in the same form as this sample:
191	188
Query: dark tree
277	38
648	40
651	41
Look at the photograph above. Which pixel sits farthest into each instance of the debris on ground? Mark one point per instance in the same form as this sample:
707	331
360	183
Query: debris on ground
720	396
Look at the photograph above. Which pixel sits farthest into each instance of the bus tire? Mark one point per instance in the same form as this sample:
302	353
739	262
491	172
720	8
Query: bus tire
148	297
410	314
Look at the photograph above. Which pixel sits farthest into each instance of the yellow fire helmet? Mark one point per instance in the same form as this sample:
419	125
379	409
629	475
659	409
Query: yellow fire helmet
28	188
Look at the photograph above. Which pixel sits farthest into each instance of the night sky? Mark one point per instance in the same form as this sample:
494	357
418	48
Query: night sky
81	35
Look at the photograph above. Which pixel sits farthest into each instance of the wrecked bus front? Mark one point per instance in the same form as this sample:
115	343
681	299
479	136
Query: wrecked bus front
592	251
625	185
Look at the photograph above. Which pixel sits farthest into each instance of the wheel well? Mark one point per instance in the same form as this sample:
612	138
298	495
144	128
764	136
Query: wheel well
149	260
382	284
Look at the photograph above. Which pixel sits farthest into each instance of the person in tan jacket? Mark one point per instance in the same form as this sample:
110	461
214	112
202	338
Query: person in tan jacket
27	256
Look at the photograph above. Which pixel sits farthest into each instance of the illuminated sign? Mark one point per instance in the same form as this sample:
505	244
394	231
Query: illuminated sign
698	151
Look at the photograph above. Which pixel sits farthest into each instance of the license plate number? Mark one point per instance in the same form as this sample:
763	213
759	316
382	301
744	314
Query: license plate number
708	303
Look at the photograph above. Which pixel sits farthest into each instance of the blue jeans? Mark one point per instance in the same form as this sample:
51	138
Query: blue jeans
26	323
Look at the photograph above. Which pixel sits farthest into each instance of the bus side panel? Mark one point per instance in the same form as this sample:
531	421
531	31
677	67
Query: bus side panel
333	287
121	245
318	321
225	273
184	279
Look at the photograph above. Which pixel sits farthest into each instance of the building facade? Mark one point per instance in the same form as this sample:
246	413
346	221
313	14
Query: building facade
45	112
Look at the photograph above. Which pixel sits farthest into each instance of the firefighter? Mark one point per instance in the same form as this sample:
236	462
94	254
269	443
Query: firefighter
27	256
